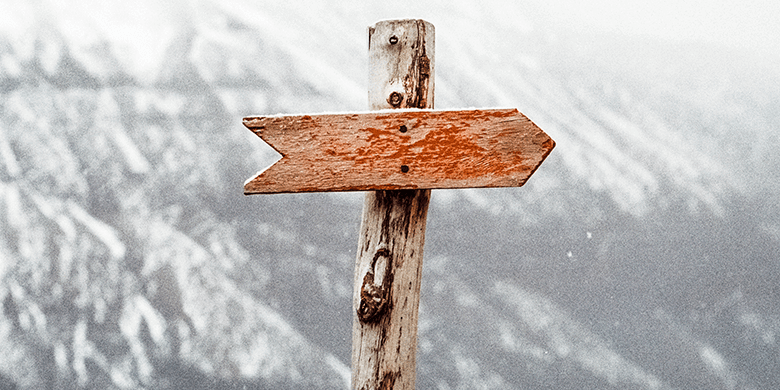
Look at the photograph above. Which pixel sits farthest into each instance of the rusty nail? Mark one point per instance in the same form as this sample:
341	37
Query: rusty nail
393	40
403	128
404	168
395	99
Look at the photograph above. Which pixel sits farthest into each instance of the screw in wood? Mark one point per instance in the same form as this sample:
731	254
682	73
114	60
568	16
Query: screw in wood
403	128
393	40
404	168
395	99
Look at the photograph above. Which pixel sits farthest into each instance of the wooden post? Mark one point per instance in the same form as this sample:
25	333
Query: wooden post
388	267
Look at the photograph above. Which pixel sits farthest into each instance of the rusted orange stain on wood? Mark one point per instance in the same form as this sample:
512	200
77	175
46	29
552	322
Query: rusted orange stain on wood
450	147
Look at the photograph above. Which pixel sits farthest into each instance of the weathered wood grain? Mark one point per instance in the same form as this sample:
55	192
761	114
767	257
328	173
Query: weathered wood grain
388	267
387	289
404	150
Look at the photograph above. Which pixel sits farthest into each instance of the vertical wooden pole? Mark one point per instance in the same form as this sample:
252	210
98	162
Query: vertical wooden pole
388	267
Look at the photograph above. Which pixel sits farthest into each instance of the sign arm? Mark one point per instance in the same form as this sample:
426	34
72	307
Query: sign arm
399	149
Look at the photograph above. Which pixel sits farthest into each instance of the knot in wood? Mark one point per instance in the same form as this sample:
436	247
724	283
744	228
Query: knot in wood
373	296
395	99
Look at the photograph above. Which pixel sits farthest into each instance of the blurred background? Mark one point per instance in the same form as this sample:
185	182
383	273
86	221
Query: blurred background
643	254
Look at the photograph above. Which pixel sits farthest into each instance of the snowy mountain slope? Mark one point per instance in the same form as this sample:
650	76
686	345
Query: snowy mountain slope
219	46
151	290
131	259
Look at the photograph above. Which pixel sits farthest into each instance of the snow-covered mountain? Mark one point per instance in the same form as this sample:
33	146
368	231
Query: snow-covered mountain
642	254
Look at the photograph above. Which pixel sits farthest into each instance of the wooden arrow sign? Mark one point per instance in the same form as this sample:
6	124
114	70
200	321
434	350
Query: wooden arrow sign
398	149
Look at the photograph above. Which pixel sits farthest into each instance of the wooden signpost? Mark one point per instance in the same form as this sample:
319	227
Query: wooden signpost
398	156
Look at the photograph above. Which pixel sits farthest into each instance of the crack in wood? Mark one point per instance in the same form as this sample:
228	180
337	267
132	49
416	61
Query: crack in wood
388	380
417	78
